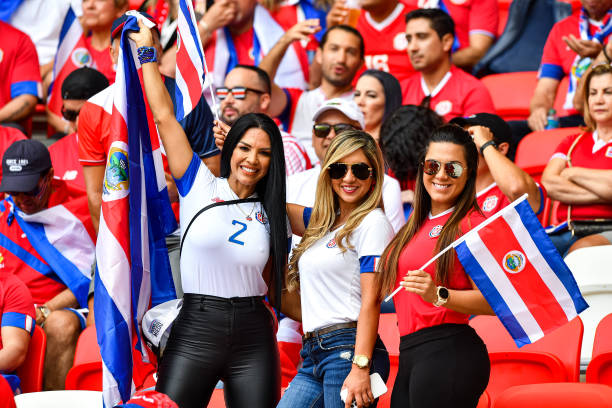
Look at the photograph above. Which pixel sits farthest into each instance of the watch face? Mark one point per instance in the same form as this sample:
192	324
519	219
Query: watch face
361	361
443	293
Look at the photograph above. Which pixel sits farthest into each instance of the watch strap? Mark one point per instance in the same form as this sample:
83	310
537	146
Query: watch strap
487	144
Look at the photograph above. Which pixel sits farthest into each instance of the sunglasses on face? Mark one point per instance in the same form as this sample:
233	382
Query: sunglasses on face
322	129
239	92
360	170
69	114
452	169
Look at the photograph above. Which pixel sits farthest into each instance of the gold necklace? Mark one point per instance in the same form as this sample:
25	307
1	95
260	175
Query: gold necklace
247	216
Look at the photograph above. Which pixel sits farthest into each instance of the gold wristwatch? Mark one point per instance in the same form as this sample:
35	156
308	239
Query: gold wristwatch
361	361
45	311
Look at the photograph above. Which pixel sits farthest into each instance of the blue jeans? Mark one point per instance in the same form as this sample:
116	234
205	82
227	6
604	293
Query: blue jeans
327	362
563	241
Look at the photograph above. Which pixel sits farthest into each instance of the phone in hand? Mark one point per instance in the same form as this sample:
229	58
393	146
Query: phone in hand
376	384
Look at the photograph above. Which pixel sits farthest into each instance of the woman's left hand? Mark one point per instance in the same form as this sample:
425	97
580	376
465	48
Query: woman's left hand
358	386
421	283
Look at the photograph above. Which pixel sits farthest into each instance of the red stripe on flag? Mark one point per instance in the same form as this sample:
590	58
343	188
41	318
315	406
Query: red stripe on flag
540	301
189	74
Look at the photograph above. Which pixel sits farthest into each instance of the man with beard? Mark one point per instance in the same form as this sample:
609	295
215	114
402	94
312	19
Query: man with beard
340	55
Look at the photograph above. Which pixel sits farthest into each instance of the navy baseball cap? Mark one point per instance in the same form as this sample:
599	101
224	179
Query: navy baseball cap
22	165
500	129
119	22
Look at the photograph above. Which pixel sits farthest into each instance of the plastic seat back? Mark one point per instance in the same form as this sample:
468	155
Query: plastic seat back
31	371
86	376
87	349
385	400
511	102
556	395
389	333
600	367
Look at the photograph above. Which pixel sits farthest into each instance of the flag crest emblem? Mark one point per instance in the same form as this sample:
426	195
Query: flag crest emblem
514	262
81	58
116	181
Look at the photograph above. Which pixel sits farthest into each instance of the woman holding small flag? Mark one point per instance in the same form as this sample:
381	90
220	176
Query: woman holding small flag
442	360
234	245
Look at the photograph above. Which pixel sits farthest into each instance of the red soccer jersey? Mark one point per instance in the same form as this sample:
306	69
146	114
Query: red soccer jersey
19	68
491	199
8	136
65	158
16	305
592	154
94	128
385	42
103	61
458	94
470	16
413	313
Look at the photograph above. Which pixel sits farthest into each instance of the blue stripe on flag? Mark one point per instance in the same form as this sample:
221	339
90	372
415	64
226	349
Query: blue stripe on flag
178	104
491	294
194	35
550	254
68	20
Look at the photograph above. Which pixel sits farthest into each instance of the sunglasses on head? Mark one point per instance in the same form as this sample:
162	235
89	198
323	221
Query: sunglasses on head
69	114
360	170
322	129
239	92
452	169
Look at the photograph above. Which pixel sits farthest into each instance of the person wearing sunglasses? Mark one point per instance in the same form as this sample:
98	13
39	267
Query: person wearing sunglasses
442	360
333	267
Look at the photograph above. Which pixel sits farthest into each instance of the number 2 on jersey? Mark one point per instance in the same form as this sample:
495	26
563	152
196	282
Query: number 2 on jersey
233	237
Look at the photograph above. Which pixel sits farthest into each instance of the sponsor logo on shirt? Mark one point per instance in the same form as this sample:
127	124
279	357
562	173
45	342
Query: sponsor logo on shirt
81	57
514	262
1	55
70	175
399	41
435	231
259	216
609	152
458	2
332	243
489	204
443	107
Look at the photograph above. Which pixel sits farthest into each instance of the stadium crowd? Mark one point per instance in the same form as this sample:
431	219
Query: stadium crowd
373	126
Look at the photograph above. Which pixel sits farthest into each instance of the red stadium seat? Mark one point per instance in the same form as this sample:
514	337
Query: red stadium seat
600	367
556	395
31	371
560	97
389	333
504	6
385	400
511	93
217	400
485	400
87	350
554	358
85	376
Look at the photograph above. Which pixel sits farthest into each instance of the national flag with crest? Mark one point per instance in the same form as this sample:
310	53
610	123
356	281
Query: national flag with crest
133	271
520	273
72	53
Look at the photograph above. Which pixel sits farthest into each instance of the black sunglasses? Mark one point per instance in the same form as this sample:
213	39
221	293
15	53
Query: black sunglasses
322	129
360	170
452	169
239	92
69	114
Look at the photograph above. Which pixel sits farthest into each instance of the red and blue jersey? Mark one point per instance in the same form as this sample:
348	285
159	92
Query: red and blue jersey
16	305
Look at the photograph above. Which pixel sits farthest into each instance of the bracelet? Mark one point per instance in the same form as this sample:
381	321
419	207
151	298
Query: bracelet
147	54
487	144
204	25
606	54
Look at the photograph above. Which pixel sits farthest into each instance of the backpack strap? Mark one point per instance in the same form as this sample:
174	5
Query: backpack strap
208	207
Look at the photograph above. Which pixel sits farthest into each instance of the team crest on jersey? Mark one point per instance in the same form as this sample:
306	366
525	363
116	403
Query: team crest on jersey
514	262
399	42
609	152
251	54
259	216
81	57
435	231
116	177
443	107
489	204
332	243
1	261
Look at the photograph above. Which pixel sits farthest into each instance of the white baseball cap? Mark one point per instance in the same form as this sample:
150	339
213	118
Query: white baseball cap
347	107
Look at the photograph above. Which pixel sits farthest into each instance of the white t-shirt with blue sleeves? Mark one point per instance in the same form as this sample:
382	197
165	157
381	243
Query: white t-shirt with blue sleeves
224	253
330	283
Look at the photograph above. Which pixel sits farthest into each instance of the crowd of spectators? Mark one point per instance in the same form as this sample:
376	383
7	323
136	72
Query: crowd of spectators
398	71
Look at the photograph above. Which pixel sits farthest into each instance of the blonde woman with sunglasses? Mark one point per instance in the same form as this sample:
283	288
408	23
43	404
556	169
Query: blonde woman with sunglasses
442	360
334	269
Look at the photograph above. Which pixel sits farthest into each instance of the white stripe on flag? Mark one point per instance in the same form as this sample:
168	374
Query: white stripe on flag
182	85
110	386
67	46
191	47
501	282
159	167
538	261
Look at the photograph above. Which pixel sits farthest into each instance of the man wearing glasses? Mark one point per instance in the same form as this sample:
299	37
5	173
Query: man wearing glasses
247	90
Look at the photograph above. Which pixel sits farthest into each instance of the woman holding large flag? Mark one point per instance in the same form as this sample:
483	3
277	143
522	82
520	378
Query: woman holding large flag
235	247
442	360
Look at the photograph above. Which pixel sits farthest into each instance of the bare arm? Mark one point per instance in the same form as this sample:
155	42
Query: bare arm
94	178
561	189
358	380
598	182
60	301
220	14
543	99
18	108
59	124
296	218
292	305
467	57
15	343
177	147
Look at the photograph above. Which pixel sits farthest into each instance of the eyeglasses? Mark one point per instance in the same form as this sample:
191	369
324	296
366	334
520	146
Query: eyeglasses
69	114
360	170
322	129
239	92
452	169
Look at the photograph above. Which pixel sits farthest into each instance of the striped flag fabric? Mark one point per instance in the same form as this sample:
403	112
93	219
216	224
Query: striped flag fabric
72	53
133	271
520	273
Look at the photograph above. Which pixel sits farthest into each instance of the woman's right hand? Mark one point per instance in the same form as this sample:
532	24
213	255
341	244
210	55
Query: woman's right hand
421	283
142	38
220	130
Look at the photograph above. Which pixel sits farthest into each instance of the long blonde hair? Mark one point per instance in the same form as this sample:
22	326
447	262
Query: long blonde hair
326	201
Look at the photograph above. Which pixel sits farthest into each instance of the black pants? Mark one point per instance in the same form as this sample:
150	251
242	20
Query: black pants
441	366
229	339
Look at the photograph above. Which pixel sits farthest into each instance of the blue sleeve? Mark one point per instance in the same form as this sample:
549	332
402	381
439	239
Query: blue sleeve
184	183
551	71
24	87
306	216
368	263
541	200
20	320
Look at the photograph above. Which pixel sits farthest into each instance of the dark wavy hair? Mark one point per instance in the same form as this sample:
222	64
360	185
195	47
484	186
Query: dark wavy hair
391	88
270	189
466	202
404	135
348	29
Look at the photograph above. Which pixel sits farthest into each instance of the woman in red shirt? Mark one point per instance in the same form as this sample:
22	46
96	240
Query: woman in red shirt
442	360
